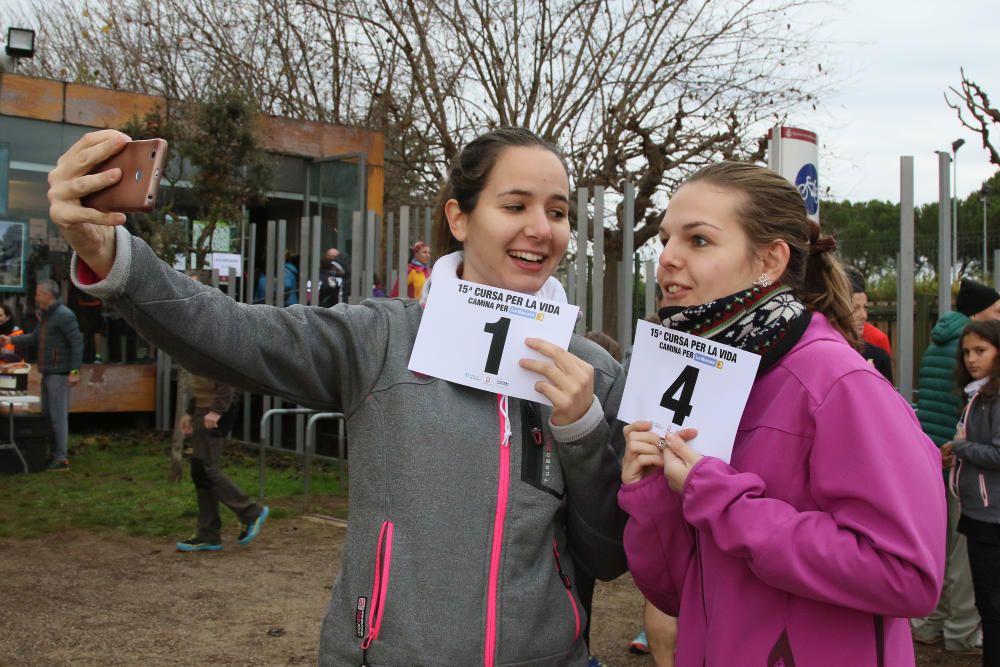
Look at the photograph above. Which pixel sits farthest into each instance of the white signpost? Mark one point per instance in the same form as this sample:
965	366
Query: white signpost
677	381
794	153
473	335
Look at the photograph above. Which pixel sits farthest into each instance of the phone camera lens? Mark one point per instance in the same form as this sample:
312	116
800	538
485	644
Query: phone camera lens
153	154
138	175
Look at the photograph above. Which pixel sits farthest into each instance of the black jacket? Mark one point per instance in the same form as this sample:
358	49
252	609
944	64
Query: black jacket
58	339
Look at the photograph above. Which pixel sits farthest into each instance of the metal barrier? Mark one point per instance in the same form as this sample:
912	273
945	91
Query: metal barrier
311	448
310	444
264	436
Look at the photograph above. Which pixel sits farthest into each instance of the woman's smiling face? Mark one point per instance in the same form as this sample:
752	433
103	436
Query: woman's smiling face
706	251
516	235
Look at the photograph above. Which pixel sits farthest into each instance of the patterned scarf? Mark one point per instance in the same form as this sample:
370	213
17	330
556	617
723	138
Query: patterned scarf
765	320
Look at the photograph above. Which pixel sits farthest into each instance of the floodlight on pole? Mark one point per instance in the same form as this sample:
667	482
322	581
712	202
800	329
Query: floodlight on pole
20	44
955	145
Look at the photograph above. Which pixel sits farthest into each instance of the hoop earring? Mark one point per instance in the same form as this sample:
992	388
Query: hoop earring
763	281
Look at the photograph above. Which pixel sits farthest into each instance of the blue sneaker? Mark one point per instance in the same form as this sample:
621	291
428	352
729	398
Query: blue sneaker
194	544
252	529
594	662
639	645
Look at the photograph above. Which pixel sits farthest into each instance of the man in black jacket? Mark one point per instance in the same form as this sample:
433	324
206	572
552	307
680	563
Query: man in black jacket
58	346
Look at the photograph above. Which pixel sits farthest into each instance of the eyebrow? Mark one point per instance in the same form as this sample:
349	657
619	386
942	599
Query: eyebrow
692	225
528	193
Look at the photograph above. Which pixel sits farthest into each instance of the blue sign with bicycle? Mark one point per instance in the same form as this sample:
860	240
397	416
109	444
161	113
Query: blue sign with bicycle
807	181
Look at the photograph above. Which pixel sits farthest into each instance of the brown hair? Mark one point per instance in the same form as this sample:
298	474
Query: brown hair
607	342
988	330
772	209
468	174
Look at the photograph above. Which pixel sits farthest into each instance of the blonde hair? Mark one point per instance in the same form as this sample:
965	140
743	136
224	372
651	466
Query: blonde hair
771	209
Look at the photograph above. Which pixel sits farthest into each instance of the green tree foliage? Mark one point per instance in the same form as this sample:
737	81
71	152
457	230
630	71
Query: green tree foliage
231	169
868	235
213	146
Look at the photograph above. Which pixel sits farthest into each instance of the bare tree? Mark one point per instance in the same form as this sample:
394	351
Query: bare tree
642	91
976	112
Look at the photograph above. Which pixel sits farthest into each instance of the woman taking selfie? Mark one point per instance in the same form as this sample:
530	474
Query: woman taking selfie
826	530
460	533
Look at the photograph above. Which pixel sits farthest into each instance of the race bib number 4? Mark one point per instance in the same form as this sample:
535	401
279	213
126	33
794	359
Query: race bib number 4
474	335
677	381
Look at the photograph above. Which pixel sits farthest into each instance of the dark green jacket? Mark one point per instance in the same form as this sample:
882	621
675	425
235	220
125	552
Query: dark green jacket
939	402
59	339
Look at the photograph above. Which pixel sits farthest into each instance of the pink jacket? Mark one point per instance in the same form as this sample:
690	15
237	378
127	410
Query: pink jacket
822	537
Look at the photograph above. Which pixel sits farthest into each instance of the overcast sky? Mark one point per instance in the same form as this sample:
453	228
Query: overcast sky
894	60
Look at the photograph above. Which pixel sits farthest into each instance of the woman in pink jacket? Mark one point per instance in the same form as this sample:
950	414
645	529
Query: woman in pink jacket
826	531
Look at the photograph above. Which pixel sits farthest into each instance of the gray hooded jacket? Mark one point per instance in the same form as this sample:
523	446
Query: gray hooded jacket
432	487
977	469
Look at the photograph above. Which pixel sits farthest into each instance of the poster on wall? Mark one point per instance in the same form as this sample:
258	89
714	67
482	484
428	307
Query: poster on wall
13	255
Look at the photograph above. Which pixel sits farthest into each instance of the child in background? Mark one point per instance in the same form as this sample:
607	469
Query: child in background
974	457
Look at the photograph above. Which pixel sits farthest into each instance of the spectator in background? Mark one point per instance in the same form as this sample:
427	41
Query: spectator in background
208	419
90	313
58	347
378	289
975	474
331	277
955	620
417	271
291	277
8	327
876	355
341	262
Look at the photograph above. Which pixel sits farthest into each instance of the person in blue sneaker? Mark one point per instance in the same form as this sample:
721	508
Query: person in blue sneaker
208	420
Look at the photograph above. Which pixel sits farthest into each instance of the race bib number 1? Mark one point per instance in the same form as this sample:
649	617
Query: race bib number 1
472	334
677	381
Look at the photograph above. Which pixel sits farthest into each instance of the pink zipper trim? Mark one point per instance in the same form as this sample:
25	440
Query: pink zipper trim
503	488
380	585
569	593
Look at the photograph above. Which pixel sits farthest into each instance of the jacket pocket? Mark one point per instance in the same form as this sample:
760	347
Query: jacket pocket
539	463
568	585
983	491
375	606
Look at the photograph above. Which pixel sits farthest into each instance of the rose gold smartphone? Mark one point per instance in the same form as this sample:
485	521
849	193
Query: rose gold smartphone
142	164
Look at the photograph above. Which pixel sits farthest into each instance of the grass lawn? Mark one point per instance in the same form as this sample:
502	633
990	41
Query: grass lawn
119	481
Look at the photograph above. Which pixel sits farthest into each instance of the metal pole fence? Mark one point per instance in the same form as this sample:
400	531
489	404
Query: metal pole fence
597	279
944	234
582	220
625	280
904	303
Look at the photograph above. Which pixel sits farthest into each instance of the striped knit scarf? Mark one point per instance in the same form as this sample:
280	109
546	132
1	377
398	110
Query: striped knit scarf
765	320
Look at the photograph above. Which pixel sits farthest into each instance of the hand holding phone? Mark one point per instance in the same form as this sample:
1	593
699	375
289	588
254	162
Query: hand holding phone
142	164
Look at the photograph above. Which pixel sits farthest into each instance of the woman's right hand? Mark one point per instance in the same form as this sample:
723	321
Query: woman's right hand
643	453
947	454
90	232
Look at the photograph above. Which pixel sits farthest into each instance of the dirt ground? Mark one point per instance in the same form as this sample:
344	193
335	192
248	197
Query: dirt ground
83	598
